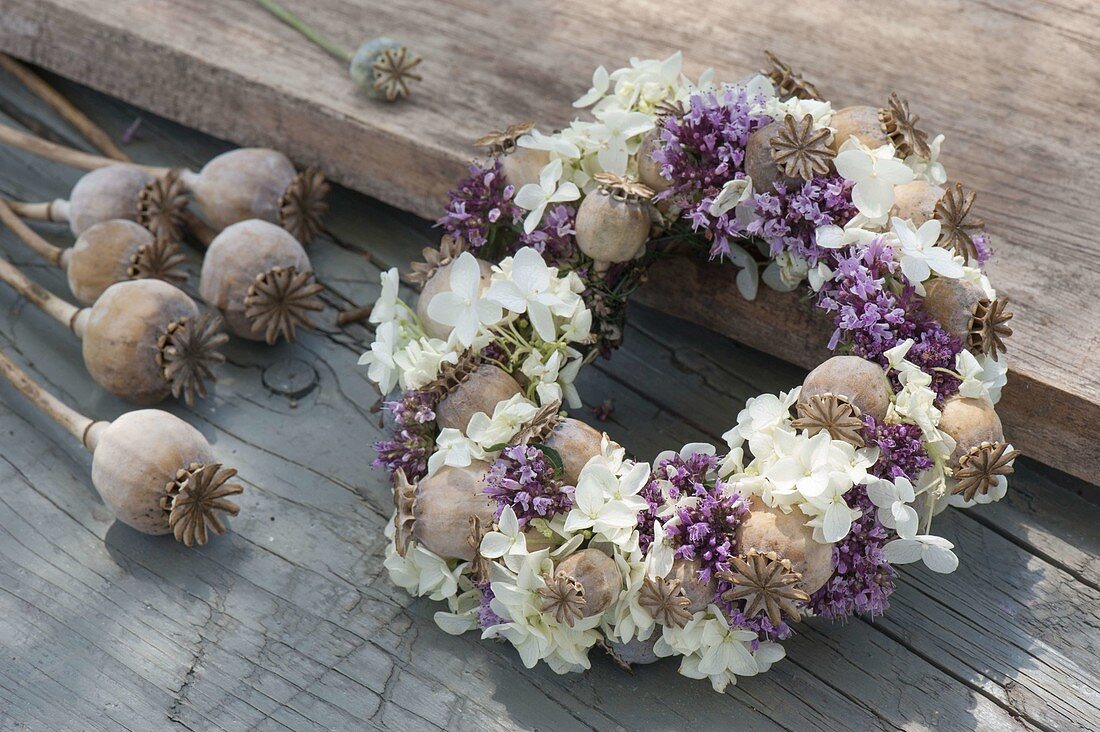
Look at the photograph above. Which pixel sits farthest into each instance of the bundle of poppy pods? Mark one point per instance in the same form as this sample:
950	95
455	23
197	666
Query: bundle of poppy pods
539	530
143	338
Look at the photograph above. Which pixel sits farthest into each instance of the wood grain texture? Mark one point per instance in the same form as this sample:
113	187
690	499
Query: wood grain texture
288	622
1009	83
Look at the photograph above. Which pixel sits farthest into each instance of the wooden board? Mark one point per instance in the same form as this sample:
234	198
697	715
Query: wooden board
1009	83
288	622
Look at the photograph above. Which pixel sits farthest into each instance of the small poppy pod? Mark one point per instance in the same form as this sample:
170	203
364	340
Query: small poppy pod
613	221
440	282
111	192
122	335
116	251
863	122
768	529
916	201
649	170
469	387
952	303
261	280
698	592
759	164
577	443
258	183
597	574
970	422
444	502
523	165
158	475
862	382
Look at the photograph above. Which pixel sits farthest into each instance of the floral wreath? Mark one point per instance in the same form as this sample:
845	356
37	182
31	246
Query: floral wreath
539	530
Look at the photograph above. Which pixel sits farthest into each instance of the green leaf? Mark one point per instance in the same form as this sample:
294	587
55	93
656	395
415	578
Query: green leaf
497	447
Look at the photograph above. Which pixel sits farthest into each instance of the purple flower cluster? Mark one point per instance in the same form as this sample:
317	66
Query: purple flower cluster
901	449
983	247
413	435
553	238
486	618
870	317
864	580
481	200
523	478
703	149
788	219
760	624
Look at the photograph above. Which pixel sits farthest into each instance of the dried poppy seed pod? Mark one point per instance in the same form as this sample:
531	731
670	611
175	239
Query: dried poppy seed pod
613	221
916	201
759	165
113	192
598	574
523	165
861	121
440	282
155	472
970	422
443	505
858	380
258	183
469	387
649	170
116	251
698	592
577	443
261	280
769	529
383	68
634	652
952	303
121	335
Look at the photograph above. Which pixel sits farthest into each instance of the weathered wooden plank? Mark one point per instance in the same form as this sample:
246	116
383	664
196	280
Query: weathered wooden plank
238	73
290	622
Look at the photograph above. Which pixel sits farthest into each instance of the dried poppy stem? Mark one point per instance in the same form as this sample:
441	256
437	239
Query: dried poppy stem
40	246
354	315
58	309
61	153
154	471
68	111
333	49
41	211
73	421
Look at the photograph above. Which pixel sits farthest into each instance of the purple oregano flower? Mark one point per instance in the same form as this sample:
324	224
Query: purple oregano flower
482	200
523	478
787	218
413	435
901	449
553	238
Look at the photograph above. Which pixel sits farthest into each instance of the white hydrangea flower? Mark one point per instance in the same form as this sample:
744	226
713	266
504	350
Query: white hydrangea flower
387	306
379	359
786	272
930	169
875	173
601	82
454	449
893	499
626	619
711	649
645	84
821	112
463	308
420	572
616	136
420	360
554	381
762	415
535	197
859	230
920	257
463	615
934	551
558	145
522	284
982	376
506	541
607	502
508	417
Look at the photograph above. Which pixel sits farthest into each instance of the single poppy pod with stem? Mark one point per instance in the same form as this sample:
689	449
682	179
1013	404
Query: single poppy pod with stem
155	472
235	186
142	340
112	251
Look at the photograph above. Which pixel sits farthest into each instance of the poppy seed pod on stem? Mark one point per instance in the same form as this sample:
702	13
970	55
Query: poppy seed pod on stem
768	529
112	251
261	280
436	511
613	221
468	387
859	381
155	472
597	575
142	340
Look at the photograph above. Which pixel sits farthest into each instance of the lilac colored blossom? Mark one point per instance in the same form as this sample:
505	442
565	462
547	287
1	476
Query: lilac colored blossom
864	580
486	618
788	219
760	624
523	478
901	449
413	435
983	247
701	150
482	200
874	308
553	238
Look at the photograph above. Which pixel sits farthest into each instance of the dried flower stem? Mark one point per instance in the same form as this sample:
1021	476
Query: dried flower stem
68	111
60	310
354	315
203	232
61	153
41	211
29	237
326	45
73	421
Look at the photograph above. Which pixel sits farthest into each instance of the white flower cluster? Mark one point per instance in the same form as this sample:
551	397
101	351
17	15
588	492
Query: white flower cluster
476	314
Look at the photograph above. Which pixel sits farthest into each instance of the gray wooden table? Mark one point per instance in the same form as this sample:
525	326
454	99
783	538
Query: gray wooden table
289	621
